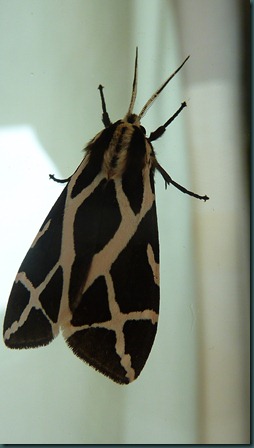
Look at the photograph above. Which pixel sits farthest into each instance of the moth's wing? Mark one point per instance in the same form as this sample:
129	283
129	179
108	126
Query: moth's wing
54	269
137	294
39	299
114	324
31	317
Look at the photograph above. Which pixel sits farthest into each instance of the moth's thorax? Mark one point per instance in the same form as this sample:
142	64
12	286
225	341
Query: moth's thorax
128	145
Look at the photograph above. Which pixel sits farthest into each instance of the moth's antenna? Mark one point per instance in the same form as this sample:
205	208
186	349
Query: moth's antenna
134	86
154	96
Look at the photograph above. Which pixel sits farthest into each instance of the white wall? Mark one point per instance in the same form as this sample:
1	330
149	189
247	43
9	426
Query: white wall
54	54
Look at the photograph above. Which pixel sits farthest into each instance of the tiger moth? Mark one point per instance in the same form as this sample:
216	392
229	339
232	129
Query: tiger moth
93	268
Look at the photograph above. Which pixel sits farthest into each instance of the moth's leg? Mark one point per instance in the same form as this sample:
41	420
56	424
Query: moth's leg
161	129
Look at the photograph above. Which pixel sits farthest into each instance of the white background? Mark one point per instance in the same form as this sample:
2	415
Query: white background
54	54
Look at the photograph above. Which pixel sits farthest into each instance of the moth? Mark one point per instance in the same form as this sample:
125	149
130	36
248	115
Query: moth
93	268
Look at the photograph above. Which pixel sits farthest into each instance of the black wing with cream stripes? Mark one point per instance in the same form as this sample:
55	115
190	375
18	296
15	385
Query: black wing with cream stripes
93	269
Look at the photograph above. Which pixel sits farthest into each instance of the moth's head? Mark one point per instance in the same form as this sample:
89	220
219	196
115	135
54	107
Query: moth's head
135	120
132	118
